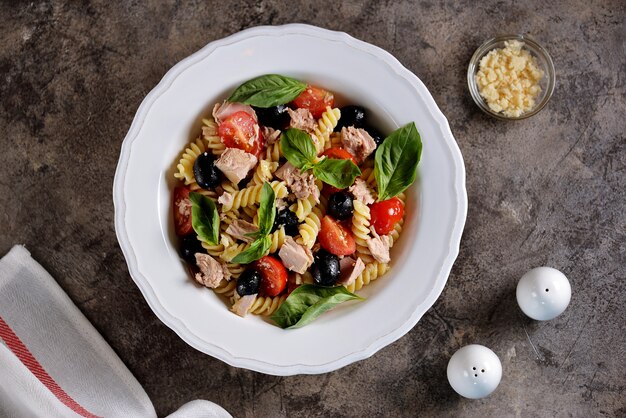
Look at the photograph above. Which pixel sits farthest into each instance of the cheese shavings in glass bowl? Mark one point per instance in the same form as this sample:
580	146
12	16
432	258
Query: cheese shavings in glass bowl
511	77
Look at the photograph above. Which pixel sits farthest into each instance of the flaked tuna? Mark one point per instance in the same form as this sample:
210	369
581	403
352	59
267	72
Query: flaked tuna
223	110
235	164
301	184
379	246
362	192
357	142
243	304
350	269
294	256
302	119
212	271
241	229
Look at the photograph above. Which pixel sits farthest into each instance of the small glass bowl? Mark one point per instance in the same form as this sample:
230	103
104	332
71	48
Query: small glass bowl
543	61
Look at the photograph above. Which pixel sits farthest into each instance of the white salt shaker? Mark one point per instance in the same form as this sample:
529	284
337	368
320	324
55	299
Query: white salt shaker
543	293
474	371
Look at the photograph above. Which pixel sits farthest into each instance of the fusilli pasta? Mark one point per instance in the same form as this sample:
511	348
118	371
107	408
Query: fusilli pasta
372	272
325	125
361	230
213	141
252	195
187	159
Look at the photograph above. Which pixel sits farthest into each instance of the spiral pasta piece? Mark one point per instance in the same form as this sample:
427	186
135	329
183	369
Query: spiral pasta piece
264	172
278	239
235	270
361	230
226	288
325	125
187	160
302	207
212	250
249	212
394	235
252	195
310	228
335	139
213	141
367	174
273	152
372	272
266	305
233	251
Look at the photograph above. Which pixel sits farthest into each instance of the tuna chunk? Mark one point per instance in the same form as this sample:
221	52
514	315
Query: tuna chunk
271	135
243	304
235	164
379	246
225	199
211	271
350	270
361	192
301	184
240	229
294	256
357	142
302	119
223	110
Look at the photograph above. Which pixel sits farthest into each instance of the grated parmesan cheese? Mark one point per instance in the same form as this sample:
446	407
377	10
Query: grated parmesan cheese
508	79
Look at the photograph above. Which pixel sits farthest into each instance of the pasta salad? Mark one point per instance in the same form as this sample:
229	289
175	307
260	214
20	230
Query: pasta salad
286	205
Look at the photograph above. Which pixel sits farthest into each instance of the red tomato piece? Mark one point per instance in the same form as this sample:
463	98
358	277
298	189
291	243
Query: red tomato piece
336	238
273	275
182	211
339	154
315	99
385	214
240	130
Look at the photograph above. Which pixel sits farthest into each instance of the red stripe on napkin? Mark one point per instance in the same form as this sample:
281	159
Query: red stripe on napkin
26	357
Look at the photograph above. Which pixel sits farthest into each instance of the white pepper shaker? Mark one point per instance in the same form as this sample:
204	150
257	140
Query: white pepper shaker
474	371
543	293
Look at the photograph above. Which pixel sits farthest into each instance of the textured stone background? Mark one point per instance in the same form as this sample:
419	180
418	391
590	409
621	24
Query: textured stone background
544	191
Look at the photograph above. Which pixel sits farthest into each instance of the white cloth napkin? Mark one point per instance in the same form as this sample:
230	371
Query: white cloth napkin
53	363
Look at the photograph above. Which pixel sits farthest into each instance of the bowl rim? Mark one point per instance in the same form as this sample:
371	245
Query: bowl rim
487	46
458	177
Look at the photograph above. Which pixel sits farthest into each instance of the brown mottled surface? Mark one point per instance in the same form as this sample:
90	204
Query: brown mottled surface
544	191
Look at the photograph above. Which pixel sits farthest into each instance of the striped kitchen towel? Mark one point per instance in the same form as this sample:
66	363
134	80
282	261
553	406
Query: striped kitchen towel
53	362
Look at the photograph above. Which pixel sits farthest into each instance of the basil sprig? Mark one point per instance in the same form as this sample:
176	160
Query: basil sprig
262	243
268	90
299	150
309	301
396	161
204	218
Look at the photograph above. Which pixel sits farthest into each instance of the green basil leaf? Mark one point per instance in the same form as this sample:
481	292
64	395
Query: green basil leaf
298	148
205	219
267	209
268	90
258	249
338	173
396	161
308	302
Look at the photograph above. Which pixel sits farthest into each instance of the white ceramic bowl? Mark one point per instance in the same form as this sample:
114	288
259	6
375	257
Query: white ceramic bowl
169	117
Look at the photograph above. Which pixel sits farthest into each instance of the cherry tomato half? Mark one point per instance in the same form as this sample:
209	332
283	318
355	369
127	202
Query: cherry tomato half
315	99
240	130
336	238
337	154
385	214
273	275
182	211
